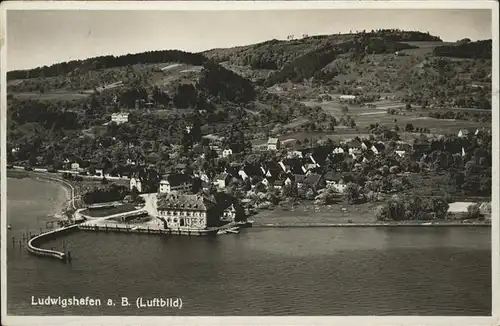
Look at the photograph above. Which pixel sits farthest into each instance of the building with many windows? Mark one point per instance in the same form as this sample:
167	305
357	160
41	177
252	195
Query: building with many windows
187	211
119	118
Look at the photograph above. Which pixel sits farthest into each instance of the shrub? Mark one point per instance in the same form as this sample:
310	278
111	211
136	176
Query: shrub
473	211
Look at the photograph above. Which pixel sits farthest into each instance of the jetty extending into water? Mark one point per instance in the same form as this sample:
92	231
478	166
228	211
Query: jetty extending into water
36	240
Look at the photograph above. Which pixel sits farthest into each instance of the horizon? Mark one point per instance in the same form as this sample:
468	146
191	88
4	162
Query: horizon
80	35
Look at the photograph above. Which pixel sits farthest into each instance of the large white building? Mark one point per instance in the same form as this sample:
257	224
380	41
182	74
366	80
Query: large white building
119	118
184	211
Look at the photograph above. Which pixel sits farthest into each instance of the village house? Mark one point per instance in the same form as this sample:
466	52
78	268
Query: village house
227	152
312	180
377	148
201	175
339	150
250	171
347	97
175	182
229	214
403	146
119	118
272	170
293	166
214	142
335	180
222	180
135	182
467	132
354	143
354	151
278	184
364	146
75	166
273	144
400	153
294	154
186	211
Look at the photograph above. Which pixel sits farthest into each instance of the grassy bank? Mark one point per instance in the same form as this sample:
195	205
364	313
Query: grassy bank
308	214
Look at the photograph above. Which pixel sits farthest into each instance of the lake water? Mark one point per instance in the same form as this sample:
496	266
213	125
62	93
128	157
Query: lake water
298	271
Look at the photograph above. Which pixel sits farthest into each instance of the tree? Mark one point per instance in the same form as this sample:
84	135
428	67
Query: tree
473	211
352	192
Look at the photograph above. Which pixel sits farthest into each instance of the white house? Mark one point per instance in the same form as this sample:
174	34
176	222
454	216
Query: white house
335	181
227	152
99	172
273	144
119	118
75	166
243	174
175	182
228	214
465	133
136	183
347	97
354	151
222	180
314	161
294	154
377	148
339	150
401	153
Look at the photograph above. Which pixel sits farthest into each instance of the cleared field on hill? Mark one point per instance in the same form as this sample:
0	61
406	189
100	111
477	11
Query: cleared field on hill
55	96
364	116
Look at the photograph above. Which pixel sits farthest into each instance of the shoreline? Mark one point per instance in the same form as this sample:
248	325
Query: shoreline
68	189
372	225
70	194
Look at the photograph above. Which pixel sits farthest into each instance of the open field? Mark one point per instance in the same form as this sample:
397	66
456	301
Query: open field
50	96
364	116
436	126
310	213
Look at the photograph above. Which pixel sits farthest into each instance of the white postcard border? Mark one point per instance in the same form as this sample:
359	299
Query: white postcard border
254	5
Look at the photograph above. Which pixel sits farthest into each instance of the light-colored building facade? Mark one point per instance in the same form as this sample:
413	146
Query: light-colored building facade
273	144
183	211
119	118
136	183
229	214
175	182
227	152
